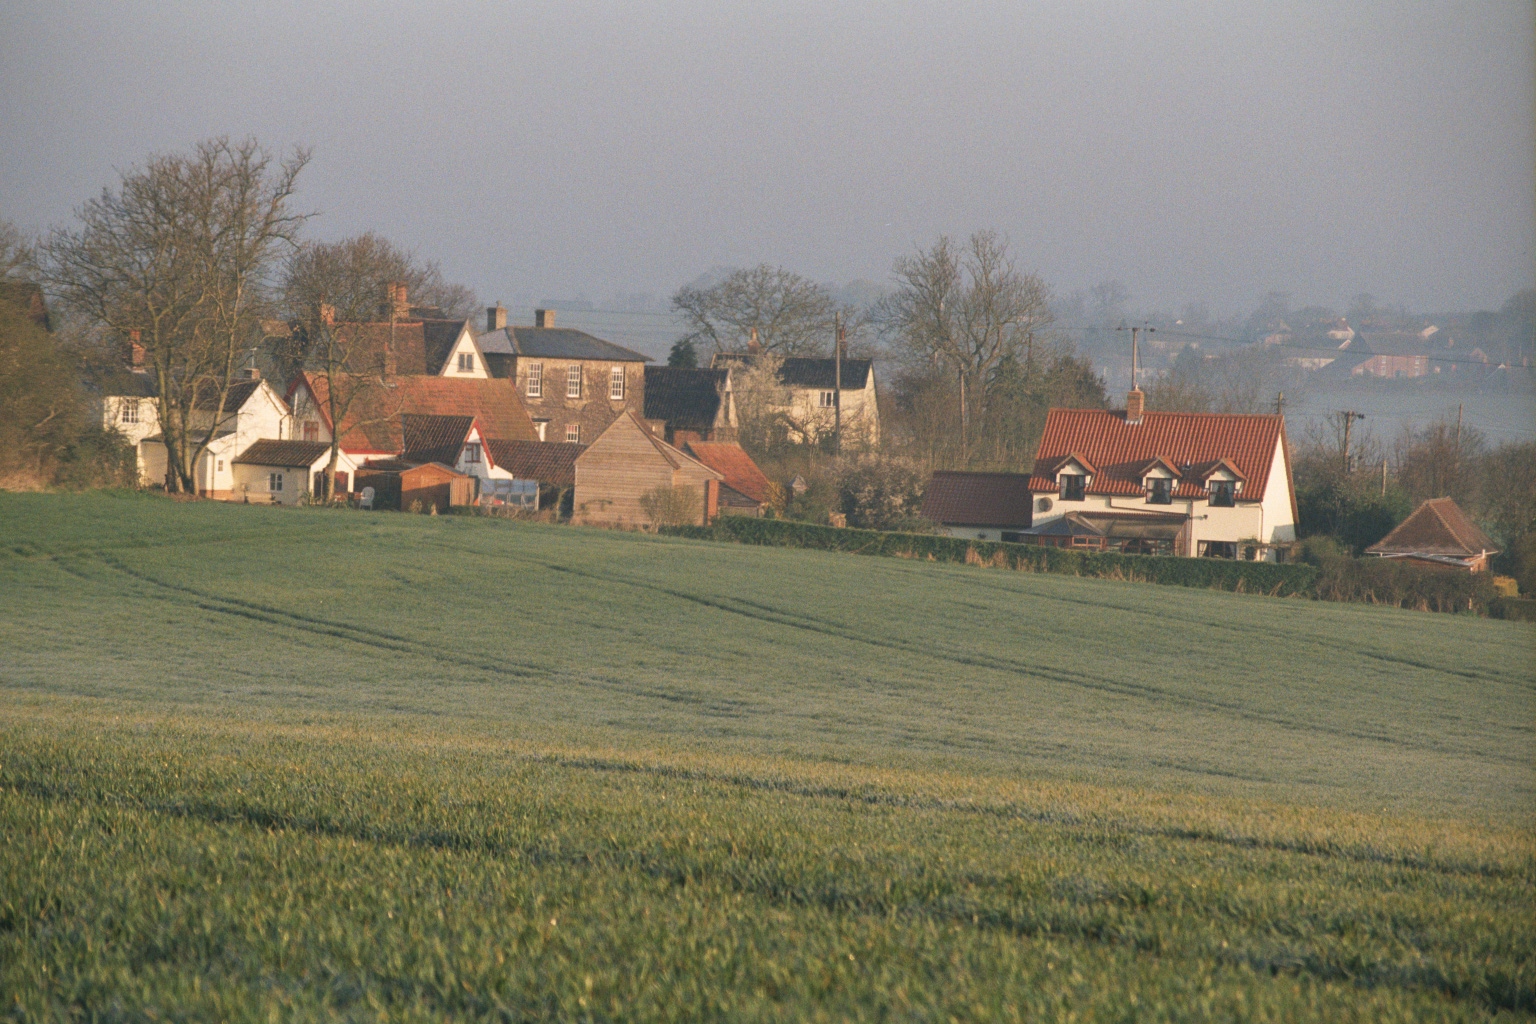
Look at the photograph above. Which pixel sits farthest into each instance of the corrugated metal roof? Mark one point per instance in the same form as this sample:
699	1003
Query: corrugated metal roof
1192	441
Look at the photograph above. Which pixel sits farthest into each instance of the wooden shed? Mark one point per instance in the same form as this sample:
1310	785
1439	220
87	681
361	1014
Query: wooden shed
398	484
627	463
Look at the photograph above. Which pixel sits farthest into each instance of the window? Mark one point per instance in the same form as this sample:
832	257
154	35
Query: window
616	384
218	466
1223	493
311	430
535	380
472	453
1160	491
130	410
542	426
573	432
828	399
573	382
1217	549
1072	486
274	481
466	362
1011	537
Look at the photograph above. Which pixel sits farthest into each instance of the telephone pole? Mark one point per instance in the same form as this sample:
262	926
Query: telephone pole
1280	403
837	394
1349	419
1135	355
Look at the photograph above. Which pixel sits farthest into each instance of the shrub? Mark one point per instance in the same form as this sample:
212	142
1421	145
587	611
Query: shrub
1404	585
672	506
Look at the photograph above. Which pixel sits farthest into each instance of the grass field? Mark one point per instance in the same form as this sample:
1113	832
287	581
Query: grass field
272	764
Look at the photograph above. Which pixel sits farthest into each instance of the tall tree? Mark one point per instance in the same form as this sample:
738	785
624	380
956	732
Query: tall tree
181	256
966	310
782	311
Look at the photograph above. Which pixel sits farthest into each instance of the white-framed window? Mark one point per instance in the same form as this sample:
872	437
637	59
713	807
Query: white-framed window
472	453
616	384
274	481
542	426
828	399
130	410
466	362
573	432
1159	490
311	430
535	380
1223	494
1073	486
573	381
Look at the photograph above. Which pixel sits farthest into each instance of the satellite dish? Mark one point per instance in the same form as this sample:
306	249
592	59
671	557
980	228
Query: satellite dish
1045	504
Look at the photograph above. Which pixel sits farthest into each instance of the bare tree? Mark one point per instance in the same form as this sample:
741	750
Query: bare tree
16	252
966	310
782	311
180	257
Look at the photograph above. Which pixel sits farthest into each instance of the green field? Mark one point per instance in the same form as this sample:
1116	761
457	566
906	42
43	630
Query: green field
266	763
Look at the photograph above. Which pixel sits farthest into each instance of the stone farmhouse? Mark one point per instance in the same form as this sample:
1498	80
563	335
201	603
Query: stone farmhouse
1203	484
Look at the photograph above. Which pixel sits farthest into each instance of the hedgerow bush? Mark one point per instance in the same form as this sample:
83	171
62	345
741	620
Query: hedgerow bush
1220	574
1401	584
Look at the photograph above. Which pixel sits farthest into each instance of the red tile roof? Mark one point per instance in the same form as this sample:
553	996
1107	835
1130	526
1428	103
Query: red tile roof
1194	442
954	498
372	423
1437	527
731	460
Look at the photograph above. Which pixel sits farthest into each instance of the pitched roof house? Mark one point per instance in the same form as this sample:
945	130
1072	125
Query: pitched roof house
815	397
628	463
691	403
1438	533
372	425
986	506
1225	477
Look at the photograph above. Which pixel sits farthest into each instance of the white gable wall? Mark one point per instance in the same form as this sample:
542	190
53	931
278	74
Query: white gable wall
465	346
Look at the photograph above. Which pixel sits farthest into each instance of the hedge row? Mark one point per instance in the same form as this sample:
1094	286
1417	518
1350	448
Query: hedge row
1520	609
1404	585
1219	574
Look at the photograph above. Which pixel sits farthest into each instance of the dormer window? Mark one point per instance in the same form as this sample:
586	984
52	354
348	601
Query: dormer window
1073	486
472	453
1223	493
466	362
1159	490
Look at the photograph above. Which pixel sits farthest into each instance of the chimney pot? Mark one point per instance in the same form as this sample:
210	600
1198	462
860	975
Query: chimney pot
1135	404
543	318
495	317
252	373
753	345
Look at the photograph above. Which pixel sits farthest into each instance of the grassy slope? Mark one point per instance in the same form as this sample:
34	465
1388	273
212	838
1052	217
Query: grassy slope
256	759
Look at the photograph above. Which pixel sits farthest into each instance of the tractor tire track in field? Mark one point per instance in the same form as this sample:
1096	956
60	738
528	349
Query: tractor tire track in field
374	638
776	616
1523	682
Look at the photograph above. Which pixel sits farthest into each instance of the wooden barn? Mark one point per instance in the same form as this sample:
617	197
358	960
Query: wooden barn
628	463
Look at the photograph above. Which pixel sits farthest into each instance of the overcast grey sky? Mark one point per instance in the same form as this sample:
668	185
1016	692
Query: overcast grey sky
1194	151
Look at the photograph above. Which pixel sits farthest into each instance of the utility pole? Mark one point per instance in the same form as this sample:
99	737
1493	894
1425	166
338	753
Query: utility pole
837	395
1349	419
1280	403
1135	355
1383	478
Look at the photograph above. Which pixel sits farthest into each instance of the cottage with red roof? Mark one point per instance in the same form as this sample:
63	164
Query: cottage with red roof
1175	483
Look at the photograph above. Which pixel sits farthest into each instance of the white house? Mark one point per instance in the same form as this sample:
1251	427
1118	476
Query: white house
820	392
1204	484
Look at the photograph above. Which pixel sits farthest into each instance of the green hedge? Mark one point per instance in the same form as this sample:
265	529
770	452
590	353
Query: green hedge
1404	585
1520	609
1220	574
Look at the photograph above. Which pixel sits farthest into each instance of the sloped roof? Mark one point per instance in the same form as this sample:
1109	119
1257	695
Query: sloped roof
1437	527
810	372
1192	441
373	423
551	463
426	437
437	338
675	457
1113	525
685	397
268	452
132	383
366	345
554	343
956	498
732	461
239	393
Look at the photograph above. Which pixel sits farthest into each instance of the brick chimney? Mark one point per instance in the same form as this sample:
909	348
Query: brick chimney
1135	405
752	343
395	306
133	351
495	317
252	373
543	318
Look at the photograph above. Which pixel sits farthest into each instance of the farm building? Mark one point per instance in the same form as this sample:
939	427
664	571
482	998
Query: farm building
1206	484
629	467
690	403
1438	533
984	506
744	491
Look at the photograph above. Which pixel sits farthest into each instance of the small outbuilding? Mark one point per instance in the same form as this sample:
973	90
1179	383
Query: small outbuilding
745	491
981	506
280	471
1438	533
631	477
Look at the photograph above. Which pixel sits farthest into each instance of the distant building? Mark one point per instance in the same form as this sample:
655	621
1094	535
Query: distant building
815	397
690	404
1439	534
983	506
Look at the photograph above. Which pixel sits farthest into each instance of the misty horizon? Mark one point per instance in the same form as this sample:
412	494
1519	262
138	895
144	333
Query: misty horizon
1199	155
